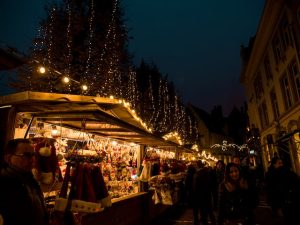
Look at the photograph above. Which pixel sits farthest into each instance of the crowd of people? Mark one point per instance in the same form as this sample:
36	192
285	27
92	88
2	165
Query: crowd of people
228	194
224	194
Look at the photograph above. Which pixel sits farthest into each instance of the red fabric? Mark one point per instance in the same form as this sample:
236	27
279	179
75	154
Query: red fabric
99	184
46	164
89	188
64	188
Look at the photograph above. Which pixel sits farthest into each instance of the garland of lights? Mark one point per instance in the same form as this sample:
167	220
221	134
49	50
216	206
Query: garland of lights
173	135
225	145
69	44
151	96
167	113
91	34
164	106
50	44
167	104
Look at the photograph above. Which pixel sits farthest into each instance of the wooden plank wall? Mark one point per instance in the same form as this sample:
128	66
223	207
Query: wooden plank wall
138	210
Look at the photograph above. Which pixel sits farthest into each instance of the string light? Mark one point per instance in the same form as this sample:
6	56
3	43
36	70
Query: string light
173	135
41	69
224	146
84	87
195	147
49	47
161	116
66	79
69	43
91	32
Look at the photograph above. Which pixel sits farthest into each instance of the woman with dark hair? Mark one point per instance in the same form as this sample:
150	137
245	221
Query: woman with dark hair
233	202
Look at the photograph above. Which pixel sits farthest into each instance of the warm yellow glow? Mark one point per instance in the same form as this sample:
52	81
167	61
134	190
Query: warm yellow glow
84	87
42	69
173	135
111	97
195	147
66	79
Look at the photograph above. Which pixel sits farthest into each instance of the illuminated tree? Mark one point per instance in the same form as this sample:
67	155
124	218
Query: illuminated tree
83	39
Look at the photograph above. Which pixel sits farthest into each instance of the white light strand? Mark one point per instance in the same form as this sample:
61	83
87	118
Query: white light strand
190	126
69	44
224	146
49	52
164	106
91	35
151	97
106	40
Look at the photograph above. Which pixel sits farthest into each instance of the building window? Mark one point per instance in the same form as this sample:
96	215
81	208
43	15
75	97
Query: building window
282	39
285	33
277	49
274	102
268	69
286	91
258	87
295	78
263	115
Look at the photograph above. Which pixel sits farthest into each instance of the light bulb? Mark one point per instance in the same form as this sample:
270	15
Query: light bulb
84	87
42	70
66	79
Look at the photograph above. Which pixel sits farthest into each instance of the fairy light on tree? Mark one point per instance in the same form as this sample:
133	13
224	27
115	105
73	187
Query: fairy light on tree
77	39
152	101
132	93
86	41
69	45
91	34
164	107
49	49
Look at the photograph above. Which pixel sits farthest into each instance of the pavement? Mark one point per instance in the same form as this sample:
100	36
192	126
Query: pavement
181	214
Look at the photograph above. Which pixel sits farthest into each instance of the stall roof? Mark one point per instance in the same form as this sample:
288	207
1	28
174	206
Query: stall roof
96	115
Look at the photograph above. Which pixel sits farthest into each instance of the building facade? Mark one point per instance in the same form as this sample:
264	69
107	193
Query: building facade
271	76
210	136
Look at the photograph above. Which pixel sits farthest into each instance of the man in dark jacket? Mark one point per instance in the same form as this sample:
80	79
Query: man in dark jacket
202	194
21	199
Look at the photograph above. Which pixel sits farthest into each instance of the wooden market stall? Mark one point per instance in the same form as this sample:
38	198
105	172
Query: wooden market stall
97	116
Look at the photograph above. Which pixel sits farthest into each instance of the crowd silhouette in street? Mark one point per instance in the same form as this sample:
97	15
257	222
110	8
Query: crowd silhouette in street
222	194
229	194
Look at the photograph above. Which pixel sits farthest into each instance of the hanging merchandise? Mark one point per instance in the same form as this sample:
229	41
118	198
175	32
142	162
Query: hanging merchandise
46	168
88	192
164	190
119	169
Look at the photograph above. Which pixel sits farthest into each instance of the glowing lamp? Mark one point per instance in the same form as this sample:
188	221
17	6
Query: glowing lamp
84	87
66	79
42	70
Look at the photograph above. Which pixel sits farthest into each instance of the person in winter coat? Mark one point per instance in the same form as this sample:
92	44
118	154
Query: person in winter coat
21	199
218	176
202	195
283	191
191	169
234	205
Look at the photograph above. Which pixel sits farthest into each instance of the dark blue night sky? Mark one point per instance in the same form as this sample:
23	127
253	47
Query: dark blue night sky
195	42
